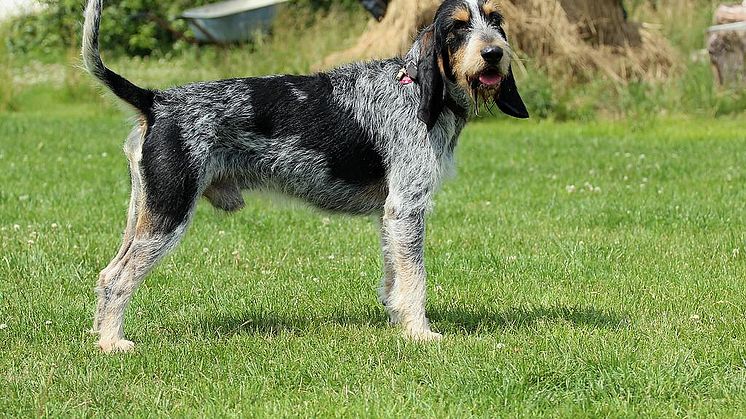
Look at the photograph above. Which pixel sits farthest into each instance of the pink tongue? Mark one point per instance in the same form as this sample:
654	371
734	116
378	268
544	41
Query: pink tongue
490	79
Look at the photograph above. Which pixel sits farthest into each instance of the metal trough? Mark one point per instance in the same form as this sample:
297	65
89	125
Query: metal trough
232	20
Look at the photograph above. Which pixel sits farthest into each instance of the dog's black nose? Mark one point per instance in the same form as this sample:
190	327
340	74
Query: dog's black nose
493	55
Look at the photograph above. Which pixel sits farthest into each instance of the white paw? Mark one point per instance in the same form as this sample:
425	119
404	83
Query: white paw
116	346
423	335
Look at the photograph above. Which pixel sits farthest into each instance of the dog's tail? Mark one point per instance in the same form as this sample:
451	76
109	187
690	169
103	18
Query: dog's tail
141	99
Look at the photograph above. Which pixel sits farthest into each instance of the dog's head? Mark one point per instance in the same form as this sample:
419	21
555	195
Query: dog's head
465	53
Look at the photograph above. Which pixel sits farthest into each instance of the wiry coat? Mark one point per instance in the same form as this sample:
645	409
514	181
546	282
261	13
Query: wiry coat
351	140
331	139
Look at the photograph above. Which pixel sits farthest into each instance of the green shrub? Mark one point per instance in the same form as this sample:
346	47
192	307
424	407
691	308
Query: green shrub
126	27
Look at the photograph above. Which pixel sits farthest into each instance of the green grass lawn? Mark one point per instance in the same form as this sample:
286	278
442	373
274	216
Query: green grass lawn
575	270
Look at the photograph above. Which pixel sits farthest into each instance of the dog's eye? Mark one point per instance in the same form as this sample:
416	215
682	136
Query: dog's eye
495	19
460	25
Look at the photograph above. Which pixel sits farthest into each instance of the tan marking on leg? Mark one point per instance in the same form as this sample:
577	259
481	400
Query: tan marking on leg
144	223
107	273
146	251
411	291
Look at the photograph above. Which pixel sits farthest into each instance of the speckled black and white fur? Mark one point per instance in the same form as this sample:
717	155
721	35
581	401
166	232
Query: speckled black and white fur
352	140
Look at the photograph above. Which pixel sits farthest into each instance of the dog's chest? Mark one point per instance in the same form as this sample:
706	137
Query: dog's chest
446	154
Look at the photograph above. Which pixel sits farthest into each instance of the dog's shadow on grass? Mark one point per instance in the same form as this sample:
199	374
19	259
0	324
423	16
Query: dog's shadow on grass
263	323
475	321
450	320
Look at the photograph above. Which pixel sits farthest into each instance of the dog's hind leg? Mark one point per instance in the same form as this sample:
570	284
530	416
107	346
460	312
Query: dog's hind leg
166	185
155	236
107	273
132	147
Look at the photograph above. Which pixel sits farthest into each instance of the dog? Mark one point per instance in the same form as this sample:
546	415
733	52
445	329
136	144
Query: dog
373	138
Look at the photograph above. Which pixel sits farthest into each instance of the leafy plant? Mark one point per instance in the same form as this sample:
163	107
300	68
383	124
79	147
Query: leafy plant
128	26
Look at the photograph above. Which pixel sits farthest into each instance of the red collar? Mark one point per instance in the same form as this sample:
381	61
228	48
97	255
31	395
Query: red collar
407	75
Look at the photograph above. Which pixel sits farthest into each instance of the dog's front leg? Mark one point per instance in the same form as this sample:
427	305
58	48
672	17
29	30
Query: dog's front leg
387	281
404	240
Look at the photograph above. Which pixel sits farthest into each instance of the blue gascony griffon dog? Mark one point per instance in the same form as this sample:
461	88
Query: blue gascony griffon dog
373	138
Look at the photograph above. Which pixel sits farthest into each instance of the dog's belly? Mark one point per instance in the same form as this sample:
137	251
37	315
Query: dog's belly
348	180
345	198
332	182
349	199
325	192
310	177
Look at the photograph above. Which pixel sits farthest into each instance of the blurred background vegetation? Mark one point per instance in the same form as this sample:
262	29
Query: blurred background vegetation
40	63
127	26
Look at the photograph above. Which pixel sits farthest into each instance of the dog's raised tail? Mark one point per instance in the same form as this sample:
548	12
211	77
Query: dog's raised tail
141	99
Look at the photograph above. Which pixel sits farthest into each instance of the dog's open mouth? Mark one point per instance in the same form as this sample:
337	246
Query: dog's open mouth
486	86
489	79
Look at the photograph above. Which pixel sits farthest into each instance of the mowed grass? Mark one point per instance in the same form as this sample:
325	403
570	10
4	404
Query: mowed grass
575	270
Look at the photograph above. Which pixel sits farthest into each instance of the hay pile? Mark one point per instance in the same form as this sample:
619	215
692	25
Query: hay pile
573	40
577	39
390	37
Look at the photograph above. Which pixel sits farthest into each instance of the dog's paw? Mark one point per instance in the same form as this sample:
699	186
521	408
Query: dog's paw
116	346
394	317
423	335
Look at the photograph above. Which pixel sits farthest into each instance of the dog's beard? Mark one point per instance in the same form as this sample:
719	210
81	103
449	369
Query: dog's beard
485	88
481	95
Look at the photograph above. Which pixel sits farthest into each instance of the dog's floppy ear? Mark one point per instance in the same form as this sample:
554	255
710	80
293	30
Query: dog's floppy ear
509	100
430	78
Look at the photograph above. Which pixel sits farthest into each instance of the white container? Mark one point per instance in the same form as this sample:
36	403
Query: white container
232	20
